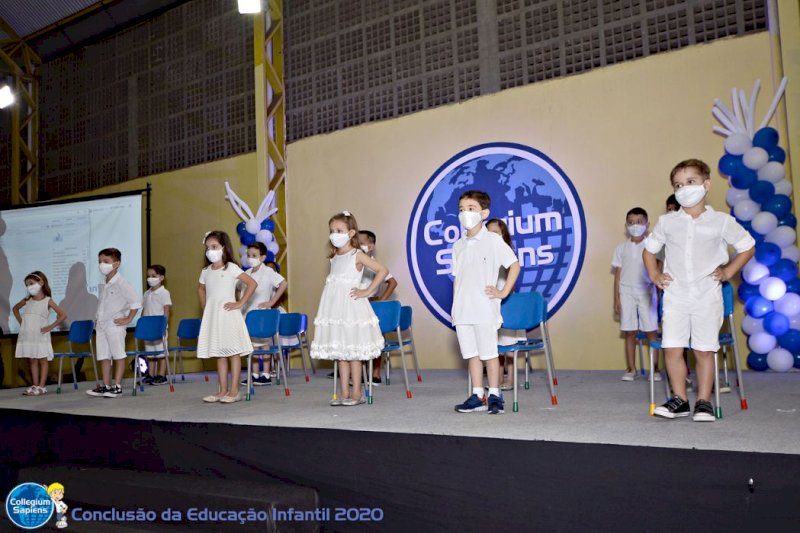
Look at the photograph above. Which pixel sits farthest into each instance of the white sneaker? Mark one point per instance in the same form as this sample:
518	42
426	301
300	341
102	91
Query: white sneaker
657	376
629	376
33	390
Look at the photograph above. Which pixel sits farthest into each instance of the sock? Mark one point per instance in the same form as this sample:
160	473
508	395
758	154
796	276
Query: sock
255	375
478	391
265	375
495	392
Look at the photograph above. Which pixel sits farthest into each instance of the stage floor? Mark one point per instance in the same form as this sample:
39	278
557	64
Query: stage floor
593	407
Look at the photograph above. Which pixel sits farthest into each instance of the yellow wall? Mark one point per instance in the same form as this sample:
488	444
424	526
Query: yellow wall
616	132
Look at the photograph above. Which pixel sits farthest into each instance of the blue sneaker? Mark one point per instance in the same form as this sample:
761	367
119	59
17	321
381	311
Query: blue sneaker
472	404
496	405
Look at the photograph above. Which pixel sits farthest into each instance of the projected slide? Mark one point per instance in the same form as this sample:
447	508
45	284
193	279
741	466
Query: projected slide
63	241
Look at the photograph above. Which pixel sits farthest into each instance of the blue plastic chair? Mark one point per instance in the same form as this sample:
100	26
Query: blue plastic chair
188	330
527	311
264	324
406	319
80	332
151	329
388	314
295	325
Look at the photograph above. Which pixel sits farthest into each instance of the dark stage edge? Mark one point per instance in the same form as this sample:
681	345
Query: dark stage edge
426	482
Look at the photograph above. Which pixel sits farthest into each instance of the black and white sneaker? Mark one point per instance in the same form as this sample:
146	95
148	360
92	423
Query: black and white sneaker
261	381
703	411
496	406
97	392
676	407
115	391
159	380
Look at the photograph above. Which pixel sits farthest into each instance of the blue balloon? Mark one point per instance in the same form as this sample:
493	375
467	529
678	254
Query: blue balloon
777	154
247	239
761	191
776	324
268	225
788	220
746	224
793	286
757	361
779	205
241	229
786	269
768	253
758	306
271	257
729	164
747	291
766	138
790	340
797	360
744	178
756	236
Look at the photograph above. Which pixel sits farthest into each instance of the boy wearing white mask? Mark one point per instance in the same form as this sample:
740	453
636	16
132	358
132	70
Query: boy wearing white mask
635	299
477	258
156	302
117	305
696	240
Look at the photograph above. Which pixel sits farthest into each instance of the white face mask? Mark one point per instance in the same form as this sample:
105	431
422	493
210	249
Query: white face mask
34	289
364	248
253	261
690	195
153	281
636	230
214	255
105	268
469	219
339	239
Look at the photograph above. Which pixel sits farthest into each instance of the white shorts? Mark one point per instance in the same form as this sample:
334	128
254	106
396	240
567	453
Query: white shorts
477	339
111	343
639	312
508	337
692	321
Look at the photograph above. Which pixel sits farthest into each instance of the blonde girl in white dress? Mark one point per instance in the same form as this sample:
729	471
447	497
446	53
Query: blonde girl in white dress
223	334
33	341
346	328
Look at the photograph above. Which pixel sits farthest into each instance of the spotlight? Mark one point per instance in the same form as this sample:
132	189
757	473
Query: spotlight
6	97
249	6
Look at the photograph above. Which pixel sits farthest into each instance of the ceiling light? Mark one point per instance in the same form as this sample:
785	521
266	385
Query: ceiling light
6	97
249	6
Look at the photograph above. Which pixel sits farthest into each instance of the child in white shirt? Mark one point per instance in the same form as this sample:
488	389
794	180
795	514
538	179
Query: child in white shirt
156	302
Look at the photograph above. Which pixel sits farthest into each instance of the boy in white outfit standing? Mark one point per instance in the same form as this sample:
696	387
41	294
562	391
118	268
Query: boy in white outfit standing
477	258
696	262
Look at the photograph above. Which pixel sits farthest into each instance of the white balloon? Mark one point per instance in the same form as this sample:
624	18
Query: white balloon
273	247
780	360
765	222
746	210
754	272
789	305
791	252
773	171
782	236
762	342
243	251
264	236
783	187
794	322
752	325
733	196
772	288
252	227
738	144
755	158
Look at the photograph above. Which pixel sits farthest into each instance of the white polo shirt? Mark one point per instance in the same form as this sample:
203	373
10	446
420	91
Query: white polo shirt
633	277
476	264
695	247
366	279
268	282
116	299
153	301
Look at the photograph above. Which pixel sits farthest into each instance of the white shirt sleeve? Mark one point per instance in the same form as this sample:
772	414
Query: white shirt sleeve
457	249
203	276
131	296
275	278
735	235
657	239
507	255
234	269
616	260
167	298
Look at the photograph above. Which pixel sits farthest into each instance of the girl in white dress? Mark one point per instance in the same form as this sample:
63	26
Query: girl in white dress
33	341
346	328
223	334
505	337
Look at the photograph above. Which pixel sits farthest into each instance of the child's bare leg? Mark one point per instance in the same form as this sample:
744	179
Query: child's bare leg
676	369
222	375
105	370
236	372
344	378
119	371
34	371
493	372
630	350
652	337
257	363
475	366
43	367
376	367
355	371
705	374
162	366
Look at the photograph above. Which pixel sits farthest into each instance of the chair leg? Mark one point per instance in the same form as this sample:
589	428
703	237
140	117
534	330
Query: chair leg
388	360
737	364
364	380
170	374
403	361
549	352
469	384
74	377
527	371
250	388
304	344
641	357
515	406
717	407
303	364
335	379
282	368
414	354
550	377
60	368
652	384
665	375
183	375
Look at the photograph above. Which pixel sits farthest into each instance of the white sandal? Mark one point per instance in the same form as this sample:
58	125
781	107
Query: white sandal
33	390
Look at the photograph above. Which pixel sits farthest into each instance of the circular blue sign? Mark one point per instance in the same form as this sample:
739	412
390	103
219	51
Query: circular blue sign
29	506
529	192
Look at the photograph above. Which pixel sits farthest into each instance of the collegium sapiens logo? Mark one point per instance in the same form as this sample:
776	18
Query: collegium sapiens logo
29	506
529	192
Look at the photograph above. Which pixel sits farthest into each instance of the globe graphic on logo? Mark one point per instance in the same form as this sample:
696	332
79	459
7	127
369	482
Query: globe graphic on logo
29	516
529	192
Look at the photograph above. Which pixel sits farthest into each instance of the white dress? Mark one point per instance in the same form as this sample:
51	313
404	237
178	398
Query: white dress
345	328
222	333
31	342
